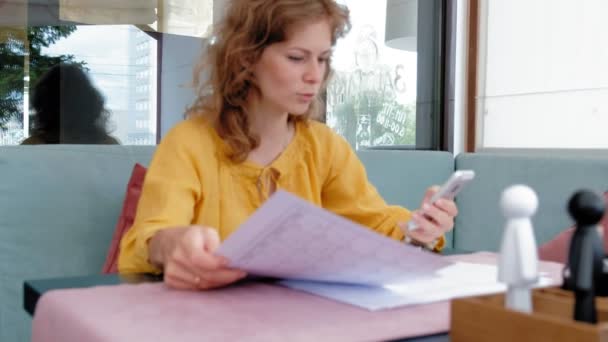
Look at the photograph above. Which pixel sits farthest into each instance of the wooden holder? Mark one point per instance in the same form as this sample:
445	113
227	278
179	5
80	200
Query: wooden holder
485	318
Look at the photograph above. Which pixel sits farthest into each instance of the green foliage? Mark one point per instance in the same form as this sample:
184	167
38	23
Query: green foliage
12	61
390	122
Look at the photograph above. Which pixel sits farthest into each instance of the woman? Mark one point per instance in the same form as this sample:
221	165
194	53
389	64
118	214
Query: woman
251	135
69	109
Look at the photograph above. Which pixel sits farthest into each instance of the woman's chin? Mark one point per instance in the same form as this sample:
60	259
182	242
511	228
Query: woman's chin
299	110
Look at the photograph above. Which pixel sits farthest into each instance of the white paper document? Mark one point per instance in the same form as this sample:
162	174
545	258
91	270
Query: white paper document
319	252
455	281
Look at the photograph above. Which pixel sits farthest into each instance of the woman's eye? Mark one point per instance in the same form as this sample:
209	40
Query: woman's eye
323	60
295	58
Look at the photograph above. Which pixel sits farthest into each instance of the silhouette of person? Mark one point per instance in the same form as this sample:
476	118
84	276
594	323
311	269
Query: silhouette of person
69	109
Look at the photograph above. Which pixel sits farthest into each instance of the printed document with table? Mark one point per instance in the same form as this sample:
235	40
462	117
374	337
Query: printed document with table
314	250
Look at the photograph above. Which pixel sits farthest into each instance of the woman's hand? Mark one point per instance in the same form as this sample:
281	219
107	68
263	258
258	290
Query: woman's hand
187	257
433	220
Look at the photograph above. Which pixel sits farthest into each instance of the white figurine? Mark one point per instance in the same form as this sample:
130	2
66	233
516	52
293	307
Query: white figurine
518	259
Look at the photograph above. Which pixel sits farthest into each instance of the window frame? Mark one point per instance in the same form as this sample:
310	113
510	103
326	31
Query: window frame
437	93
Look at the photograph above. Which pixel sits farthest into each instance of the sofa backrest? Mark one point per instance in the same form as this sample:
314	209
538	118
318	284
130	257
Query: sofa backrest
58	209
480	223
59	206
402	176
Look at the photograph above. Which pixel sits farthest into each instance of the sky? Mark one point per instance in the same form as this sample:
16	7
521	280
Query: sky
105	50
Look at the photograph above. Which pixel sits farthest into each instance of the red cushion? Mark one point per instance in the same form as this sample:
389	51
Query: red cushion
125	221
557	248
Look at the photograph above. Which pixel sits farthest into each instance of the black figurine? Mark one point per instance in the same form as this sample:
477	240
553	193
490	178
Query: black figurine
586	254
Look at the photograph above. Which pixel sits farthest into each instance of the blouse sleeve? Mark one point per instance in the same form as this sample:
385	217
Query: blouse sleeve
348	192
171	190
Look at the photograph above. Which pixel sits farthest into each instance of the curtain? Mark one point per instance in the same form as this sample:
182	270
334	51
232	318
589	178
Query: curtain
56	12
187	17
14	12
181	17
134	12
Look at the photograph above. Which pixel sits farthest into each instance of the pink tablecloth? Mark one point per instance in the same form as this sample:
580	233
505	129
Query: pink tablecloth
254	312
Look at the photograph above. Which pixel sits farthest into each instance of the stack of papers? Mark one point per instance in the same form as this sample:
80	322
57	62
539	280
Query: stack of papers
316	251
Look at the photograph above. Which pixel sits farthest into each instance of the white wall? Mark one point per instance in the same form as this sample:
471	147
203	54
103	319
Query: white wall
460	110
180	54
545	83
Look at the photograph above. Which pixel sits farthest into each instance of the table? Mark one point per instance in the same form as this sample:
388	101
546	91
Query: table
34	289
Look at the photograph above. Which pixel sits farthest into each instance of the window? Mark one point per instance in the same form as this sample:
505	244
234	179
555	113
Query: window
142	88
141	124
119	60
543	83
381	96
142	105
386	90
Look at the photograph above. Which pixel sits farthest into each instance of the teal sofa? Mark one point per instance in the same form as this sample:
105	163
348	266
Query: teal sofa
59	204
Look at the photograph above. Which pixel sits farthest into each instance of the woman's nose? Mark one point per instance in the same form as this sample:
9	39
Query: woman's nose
314	72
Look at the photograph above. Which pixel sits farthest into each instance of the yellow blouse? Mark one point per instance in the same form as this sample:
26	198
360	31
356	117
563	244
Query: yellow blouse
191	181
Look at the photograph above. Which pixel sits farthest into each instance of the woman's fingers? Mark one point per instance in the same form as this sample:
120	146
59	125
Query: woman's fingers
197	243
178	275
448	206
221	277
212	240
441	213
180	285
192	265
438	216
184	277
427	230
429	193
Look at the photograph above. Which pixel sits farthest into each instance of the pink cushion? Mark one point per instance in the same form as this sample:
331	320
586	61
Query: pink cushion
557	249
125	221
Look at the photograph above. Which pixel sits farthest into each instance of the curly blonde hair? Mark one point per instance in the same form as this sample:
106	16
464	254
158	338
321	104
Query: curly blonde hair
248	27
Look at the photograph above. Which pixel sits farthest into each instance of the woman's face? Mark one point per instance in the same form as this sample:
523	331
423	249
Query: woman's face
290	73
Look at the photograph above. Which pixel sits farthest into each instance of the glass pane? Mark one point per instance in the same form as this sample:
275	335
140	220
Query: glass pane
12	85
66	83
119	62
380	95
545	80
371	99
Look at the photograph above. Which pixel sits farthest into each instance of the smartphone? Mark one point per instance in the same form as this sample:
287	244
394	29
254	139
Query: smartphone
449	189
